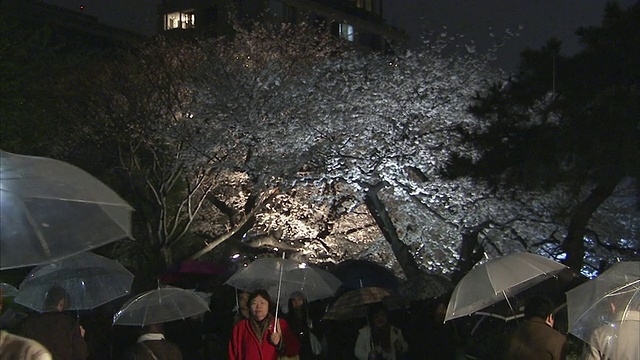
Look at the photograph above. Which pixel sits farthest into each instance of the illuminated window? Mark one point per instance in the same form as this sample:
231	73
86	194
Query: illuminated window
180	20
345	31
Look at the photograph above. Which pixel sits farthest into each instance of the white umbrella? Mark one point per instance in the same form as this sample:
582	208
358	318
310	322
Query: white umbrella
273	274
50	210
605	311
90	280
162	305
497	280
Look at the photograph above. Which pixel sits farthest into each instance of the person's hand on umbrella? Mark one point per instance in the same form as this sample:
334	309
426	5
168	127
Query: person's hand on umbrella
276	336
400	346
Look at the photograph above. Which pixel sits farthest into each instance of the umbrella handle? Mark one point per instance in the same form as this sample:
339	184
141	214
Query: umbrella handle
513	312
275	323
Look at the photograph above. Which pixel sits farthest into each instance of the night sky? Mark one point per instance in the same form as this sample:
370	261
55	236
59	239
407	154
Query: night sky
535	20
539	20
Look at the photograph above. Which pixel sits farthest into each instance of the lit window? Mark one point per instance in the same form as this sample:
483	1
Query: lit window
345	31
180	20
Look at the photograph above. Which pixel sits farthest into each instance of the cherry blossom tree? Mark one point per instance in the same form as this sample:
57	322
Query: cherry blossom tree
281	137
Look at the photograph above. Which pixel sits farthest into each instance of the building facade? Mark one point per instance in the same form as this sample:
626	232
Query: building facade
360	22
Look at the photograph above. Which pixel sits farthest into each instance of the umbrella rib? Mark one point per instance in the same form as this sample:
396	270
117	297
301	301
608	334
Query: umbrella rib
606	294
82	201
36	229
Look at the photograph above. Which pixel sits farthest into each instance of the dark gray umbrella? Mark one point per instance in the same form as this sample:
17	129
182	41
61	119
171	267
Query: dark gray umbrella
355	303
426	286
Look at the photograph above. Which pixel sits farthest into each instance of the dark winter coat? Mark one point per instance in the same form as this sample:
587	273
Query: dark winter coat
162	349
59	333
536	340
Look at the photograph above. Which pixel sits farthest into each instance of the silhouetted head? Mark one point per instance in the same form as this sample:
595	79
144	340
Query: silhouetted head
243	303
538	306
297	300
378	315
57	299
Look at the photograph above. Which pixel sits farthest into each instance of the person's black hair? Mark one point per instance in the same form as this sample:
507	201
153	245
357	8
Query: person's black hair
263	294
538	306
376	308
299	294
53	297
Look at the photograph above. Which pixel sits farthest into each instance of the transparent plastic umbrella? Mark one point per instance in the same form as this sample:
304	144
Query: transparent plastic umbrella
497	280
50	210
162	305
605	311
8	290
314	283
287	276
90	280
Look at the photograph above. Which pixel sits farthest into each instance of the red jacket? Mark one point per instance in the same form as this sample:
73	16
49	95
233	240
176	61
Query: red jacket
244	344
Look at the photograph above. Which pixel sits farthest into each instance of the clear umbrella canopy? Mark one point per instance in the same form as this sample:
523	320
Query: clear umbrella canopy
50	209
8	290
88	279
283	277
162	305
605	311
497	280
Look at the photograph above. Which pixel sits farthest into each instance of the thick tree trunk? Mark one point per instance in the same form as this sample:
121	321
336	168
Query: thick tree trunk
573	243
471	251
240	228
379	212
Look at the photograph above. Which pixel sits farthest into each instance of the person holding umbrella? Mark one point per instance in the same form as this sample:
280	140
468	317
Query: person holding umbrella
535	338
152	345
59	332
13	347
379	340
605	312
301	324
619	338
261	336
242	311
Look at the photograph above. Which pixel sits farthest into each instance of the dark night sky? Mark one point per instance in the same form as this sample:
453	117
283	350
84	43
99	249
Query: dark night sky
476	19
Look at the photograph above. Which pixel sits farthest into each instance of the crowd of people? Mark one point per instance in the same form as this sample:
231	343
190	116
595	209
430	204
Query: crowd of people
259	331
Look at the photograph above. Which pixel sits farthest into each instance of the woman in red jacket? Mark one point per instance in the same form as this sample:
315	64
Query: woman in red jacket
256	339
